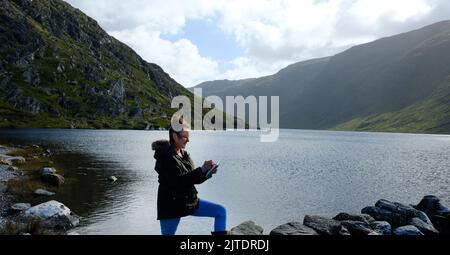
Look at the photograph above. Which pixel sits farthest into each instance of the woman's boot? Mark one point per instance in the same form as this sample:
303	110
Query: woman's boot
219	233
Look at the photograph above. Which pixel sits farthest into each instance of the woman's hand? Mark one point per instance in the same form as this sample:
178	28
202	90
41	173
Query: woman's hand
207	165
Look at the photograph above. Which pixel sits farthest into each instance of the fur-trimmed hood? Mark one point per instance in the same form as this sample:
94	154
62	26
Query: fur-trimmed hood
160	147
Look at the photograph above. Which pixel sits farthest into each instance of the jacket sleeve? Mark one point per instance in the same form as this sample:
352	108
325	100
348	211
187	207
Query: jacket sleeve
195	176
176	176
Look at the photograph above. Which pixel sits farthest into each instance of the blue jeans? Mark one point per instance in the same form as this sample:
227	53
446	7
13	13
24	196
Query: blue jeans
205	209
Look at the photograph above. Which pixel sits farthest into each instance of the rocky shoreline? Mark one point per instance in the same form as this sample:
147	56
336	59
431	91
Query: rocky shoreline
26	170
428	217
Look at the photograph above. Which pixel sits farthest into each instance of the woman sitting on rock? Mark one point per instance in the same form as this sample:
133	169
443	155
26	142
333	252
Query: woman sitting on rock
177	195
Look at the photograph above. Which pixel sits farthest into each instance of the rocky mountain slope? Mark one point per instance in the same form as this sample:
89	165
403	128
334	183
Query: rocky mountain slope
397	84
59	68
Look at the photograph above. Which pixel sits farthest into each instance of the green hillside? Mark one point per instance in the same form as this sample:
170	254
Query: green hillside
58	68
431	115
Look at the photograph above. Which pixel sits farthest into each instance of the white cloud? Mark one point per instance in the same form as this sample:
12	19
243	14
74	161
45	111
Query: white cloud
272	33
141	23
180	59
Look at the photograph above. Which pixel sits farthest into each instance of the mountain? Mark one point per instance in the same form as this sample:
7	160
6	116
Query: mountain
59	68
398	83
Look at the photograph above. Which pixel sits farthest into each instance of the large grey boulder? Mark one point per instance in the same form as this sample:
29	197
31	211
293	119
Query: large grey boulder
407	230
425	228
54	215
322	225
396	214
432	205
438	213
247	228
293	228
404	210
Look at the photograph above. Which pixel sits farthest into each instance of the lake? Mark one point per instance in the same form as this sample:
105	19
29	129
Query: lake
304	172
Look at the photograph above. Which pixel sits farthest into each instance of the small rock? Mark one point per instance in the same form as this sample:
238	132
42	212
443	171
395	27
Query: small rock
247	228
343	231
354	217
24	234
322	225
43	192
47	170
47	153
4	161
2	187
20	207
381	227
112	179
19	173
55	180
293	228
13	168
60	68
407	231
17	160
357	227
35	146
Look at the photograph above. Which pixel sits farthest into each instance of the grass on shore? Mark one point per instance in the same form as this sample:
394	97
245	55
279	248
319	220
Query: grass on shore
25	186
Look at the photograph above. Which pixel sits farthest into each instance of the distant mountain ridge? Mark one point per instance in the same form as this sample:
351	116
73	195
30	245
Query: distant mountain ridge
59	68
370	82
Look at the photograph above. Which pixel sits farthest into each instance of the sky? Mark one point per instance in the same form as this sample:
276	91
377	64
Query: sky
202	40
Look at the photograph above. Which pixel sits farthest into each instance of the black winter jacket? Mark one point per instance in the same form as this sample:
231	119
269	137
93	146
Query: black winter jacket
177	195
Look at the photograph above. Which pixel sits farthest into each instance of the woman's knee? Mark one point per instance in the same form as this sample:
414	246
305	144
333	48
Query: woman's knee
221	210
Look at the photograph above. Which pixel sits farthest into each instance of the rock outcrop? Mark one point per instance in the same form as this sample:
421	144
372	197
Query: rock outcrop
429	217
59	68
247	228
49	176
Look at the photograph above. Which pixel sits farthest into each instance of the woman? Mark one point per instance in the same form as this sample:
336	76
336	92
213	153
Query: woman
177	195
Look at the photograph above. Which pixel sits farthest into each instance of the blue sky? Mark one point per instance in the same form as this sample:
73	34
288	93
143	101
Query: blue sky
201	40
210	40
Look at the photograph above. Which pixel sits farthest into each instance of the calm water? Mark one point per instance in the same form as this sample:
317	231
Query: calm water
305	172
